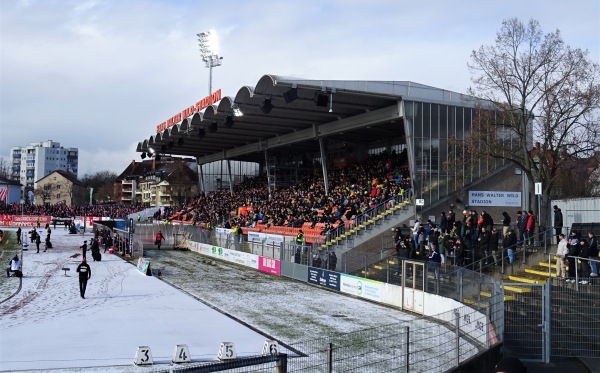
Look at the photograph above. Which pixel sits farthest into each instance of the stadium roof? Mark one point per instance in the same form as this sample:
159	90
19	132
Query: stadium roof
287	115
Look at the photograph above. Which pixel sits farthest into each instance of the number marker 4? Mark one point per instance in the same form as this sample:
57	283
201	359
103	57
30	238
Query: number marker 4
227	351
143	356
270	348
181	354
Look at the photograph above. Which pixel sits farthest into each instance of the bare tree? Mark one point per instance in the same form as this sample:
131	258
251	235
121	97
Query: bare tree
543	99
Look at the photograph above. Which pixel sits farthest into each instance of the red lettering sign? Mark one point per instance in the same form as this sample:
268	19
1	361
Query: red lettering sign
200	105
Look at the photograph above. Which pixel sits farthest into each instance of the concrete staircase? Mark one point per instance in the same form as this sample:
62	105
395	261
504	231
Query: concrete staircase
371	227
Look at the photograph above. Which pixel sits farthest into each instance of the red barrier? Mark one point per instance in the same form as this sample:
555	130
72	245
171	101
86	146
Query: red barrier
24	220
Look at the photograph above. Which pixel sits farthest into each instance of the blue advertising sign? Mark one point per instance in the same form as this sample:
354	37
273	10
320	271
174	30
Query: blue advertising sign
324	278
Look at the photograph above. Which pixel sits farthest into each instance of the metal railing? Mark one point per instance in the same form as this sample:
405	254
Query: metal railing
409	346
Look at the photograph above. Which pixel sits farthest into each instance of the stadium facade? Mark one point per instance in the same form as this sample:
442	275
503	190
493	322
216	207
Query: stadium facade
284	124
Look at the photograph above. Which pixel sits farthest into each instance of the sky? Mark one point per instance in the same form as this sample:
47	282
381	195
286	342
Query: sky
100	75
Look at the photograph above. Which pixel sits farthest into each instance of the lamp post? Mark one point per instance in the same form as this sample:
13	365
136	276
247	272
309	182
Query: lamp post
209	49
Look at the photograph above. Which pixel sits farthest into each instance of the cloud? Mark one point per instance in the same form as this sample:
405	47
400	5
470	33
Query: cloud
100	75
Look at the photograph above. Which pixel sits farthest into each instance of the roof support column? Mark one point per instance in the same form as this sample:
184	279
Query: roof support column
268	174
200	176
230	178
324	165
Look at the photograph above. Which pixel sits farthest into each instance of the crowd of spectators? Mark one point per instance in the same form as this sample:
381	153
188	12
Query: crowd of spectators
352	190
68	211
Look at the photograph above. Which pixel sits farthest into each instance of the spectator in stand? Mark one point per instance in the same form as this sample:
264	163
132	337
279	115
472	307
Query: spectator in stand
573	245
488	221
451	220
584	264
331	261
494	244
18	235
593	241
561	254
434	262
531	228
505	222
443	227
415	230
316	261
521	224
459	252
509	244
558	222
484	244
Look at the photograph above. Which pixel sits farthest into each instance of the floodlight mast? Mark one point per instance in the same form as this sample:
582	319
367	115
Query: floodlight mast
209	46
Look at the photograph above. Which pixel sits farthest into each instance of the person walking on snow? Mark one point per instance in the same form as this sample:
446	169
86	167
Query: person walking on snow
159	239
83	249
85	273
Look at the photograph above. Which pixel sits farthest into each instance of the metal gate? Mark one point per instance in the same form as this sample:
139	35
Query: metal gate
414	285
527	321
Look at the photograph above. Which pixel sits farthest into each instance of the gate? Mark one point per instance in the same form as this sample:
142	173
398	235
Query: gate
414	285
527	321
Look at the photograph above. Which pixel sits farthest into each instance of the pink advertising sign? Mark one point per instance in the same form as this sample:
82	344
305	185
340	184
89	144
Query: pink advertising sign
269	265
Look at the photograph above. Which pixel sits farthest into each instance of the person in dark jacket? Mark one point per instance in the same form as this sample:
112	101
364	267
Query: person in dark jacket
443	223
558	222
459	252
85	273
38	241
434	262
593	241
573	251
332	261
83	249
494	243
584	266
510	245
484	244
19	235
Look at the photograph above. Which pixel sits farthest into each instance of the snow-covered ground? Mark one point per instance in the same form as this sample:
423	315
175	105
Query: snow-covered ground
48	326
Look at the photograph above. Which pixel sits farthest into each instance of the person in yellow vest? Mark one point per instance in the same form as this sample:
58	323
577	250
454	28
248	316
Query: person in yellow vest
300	238
139	217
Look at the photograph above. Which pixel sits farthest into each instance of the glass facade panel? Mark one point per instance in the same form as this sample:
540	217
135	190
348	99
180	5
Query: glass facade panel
435	120
426	120
418	120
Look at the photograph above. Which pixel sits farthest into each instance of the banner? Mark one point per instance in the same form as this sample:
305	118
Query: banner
491	198
269	265
361	287
24	220
324	278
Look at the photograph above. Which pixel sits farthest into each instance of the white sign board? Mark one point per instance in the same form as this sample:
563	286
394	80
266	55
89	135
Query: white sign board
538	189
420	202
494	198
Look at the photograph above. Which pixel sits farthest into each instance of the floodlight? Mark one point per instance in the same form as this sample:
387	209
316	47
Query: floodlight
209	50
143	155
290	95
321	98
150	152
266	106
236	110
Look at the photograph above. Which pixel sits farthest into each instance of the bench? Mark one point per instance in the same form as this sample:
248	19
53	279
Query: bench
65	269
